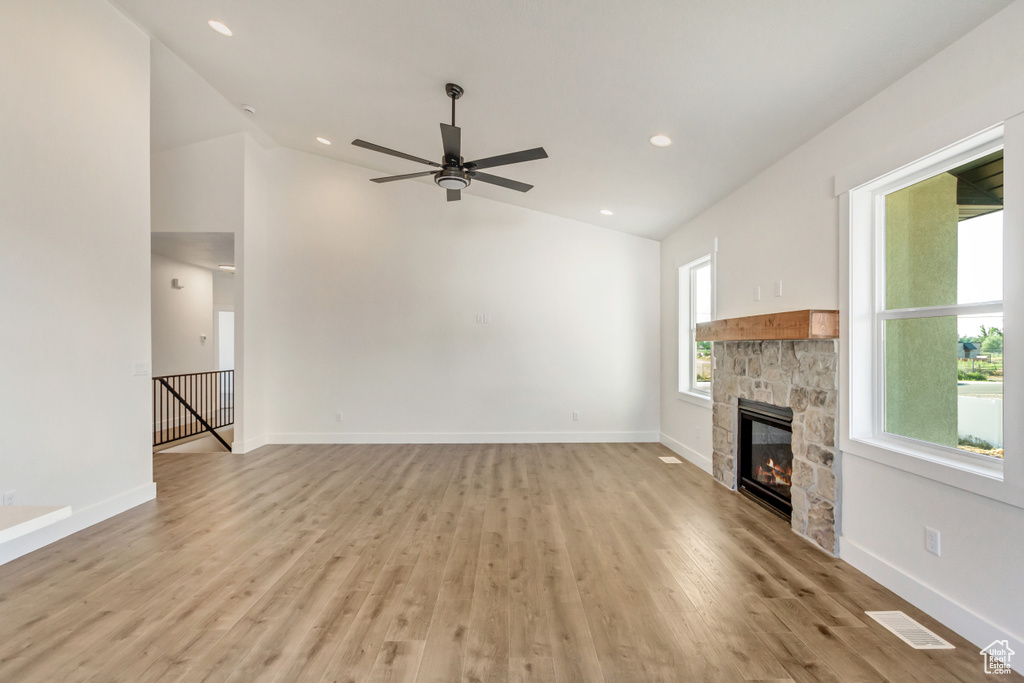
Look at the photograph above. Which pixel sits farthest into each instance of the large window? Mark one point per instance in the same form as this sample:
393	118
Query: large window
924	315
696	305
941	315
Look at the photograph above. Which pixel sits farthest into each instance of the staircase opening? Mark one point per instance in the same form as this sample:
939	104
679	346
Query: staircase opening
194	341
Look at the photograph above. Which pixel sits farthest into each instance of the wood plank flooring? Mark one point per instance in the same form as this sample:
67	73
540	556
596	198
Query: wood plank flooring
555	562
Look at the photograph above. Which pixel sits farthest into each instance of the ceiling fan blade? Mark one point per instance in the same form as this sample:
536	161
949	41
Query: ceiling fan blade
385	150
454	195
451	137
503	182
511	158
388	179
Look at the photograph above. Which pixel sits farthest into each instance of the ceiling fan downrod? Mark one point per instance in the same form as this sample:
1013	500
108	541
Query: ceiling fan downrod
454	92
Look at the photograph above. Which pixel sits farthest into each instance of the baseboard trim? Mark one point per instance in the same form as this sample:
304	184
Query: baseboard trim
971	626
241	447
686	452
79	519
464	437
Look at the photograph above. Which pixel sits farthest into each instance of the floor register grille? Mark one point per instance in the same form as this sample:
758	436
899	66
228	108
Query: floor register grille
909	631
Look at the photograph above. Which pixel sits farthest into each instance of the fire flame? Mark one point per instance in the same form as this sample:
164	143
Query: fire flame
770	473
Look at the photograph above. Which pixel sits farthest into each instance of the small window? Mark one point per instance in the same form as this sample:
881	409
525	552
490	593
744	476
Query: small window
696	305
940	313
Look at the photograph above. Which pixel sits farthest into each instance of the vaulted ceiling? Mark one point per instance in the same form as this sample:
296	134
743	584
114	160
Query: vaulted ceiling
736	84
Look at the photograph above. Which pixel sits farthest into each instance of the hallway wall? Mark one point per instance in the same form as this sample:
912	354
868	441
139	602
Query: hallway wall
74	263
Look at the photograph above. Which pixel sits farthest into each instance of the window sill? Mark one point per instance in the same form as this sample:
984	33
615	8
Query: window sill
979	477
702	400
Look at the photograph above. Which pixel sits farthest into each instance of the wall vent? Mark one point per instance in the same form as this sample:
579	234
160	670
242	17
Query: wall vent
909	631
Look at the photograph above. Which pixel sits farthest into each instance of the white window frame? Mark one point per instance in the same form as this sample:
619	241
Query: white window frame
863	316
687	342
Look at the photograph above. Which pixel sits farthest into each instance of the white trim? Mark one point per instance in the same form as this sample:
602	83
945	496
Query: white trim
681	449
966	149
19	520
979	113
702	400
982	308
462	437
81	519
968	624
249	445
695	253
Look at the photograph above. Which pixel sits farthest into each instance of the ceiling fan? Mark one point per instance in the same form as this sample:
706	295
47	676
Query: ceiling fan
455	174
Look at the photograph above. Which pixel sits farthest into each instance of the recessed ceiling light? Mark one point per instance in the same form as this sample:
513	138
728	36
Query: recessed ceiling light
227	267
323	141
661	141
220	28
607	212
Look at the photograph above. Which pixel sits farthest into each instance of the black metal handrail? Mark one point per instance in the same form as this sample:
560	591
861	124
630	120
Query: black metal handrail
193	403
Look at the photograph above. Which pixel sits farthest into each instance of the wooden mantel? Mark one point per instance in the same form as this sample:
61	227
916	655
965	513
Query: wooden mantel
786	325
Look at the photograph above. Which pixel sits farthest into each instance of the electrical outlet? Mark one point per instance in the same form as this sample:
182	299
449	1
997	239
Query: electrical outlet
8	497
757	293
932	541
339	416
483	318
778	288
575	416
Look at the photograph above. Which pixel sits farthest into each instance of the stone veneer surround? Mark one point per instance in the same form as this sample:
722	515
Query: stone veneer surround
800	375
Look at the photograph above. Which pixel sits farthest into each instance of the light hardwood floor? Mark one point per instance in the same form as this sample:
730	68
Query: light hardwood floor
582	562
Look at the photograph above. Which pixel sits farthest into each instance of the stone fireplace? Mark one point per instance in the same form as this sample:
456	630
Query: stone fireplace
795	374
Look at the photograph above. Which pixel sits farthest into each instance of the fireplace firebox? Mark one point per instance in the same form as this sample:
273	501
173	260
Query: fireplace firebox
766	454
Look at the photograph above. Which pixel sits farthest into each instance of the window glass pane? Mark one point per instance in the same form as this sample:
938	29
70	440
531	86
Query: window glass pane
943	238
980	259
701	314
980	384
702	294
944	381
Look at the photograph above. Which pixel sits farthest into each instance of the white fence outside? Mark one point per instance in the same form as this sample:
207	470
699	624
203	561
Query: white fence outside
981	418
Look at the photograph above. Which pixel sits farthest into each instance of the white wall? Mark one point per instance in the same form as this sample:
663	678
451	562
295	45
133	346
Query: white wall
372	304
199	187
223	289
784	225
354	298
181	317
74	262
252	319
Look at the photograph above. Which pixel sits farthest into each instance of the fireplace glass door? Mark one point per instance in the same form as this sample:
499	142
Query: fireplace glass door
766	454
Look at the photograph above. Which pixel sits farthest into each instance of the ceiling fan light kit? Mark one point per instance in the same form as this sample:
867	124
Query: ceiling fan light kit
455	174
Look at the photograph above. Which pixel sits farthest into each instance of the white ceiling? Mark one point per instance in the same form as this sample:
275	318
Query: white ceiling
735	83
204	249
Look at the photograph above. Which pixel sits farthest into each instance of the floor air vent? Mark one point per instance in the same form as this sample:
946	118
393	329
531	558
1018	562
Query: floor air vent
669	459
909	631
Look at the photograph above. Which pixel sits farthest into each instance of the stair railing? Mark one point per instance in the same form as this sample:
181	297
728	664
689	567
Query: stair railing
190	404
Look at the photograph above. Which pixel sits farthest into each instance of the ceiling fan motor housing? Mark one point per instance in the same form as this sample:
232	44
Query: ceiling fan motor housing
452	178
